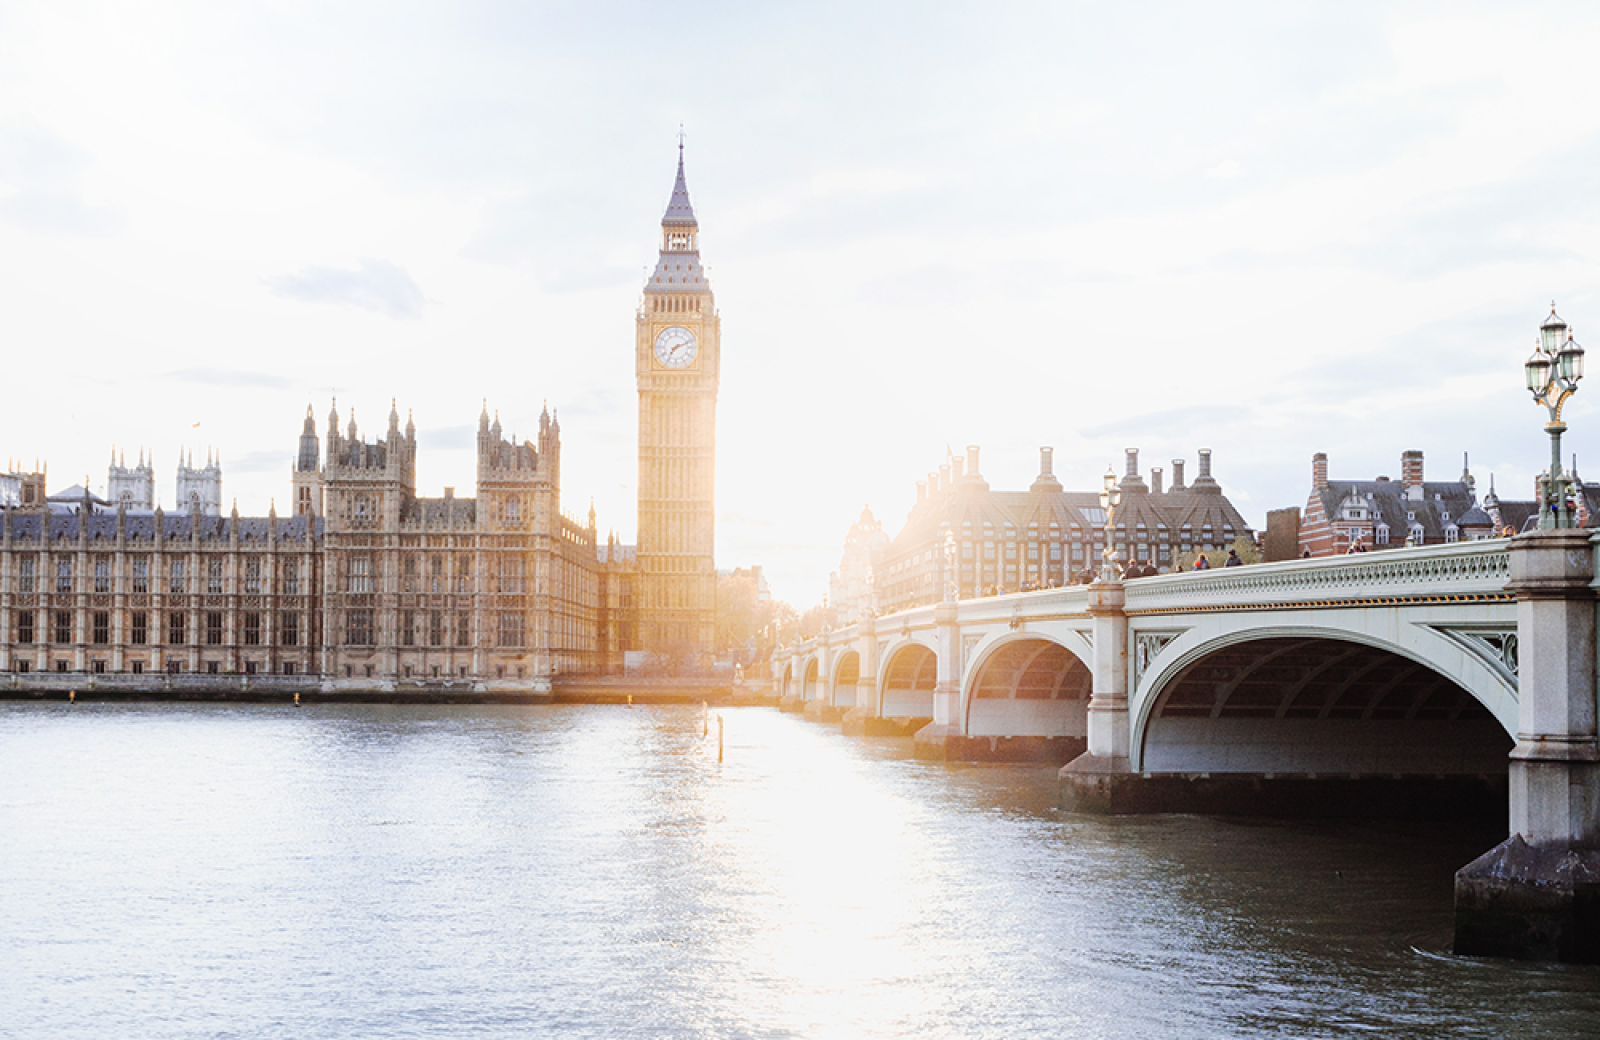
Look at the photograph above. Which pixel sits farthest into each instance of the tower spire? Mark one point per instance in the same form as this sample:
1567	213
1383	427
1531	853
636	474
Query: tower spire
680	214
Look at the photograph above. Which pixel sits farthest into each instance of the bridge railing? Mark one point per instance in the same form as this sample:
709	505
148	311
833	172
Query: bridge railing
1461	570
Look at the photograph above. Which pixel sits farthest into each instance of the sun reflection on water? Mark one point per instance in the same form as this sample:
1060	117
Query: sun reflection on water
173	870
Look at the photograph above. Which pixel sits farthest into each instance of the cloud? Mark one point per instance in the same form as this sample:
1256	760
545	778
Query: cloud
1175	423
375	285
448	438
267	461
228	377
40	184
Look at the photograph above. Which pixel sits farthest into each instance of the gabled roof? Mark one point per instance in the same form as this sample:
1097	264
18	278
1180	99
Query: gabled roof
1443	502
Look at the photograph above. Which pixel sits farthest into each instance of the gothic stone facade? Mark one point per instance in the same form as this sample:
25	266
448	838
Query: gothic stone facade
384	591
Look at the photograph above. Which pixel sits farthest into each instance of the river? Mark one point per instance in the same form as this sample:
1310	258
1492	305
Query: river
173	870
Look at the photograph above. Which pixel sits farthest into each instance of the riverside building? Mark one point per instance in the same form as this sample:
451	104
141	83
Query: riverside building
1045	536
368	584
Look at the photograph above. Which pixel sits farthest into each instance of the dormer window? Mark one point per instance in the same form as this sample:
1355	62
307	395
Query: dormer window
1380	534
1354	509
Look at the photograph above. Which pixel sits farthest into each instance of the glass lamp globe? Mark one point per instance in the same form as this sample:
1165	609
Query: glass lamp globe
1537	369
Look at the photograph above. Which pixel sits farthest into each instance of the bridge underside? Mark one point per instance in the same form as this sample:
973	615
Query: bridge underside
1320	706
844	680
908	683
1026	704
1311	725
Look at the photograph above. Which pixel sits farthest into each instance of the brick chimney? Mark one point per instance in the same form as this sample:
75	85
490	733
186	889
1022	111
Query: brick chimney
972	461
1155	480
1046	480
1411	474
1177	474
1319	471
1133	463
956	463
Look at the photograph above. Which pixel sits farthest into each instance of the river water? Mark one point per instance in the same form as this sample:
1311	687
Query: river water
496	871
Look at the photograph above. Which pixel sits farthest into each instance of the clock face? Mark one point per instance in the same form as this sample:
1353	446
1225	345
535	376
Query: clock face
676	347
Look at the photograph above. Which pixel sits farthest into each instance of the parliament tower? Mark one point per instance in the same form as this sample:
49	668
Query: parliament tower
677	357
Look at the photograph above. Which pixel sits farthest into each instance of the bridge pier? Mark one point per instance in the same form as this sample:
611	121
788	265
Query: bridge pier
858	721
1536	895
931	740
820	708
1100	779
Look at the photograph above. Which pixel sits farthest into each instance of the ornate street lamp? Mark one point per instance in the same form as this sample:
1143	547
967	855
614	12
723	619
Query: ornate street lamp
1552	374
1110	499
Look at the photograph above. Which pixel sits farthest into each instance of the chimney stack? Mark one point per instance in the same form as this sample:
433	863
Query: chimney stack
1155	480
1205	466
1319	471
1046	481
1133	463
922	491
972	461
956	464
1177	474
1411	474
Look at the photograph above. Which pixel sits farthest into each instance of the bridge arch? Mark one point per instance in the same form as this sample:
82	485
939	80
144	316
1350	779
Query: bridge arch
808	684
842	690
908	674
1321	700
1026	685
786	680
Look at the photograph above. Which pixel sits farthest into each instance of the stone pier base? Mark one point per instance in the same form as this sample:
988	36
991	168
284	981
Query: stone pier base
791	705
1094	788
1530	902
822	711
944	744
859	722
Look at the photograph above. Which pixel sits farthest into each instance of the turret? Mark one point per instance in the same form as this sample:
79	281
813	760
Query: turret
310	446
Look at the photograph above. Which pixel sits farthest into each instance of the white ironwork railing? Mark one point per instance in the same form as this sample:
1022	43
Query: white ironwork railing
1463	569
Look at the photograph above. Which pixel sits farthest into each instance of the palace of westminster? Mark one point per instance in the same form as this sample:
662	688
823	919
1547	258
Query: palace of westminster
368	585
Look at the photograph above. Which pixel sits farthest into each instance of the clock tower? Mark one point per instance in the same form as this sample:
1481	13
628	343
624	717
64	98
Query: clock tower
677	357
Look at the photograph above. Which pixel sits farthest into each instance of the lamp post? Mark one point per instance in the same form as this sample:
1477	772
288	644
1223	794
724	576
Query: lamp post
1552	374
1110	498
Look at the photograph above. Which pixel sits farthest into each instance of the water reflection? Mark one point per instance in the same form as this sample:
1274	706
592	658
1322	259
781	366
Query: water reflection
172	870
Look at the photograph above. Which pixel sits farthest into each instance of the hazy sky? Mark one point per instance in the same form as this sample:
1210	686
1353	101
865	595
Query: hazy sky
1266	229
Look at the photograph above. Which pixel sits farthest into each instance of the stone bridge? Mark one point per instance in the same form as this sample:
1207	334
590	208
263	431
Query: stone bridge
1400	679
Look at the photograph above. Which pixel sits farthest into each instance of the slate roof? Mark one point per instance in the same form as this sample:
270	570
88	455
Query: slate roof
679	212
1071	511
1389	504
179	526
678	272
